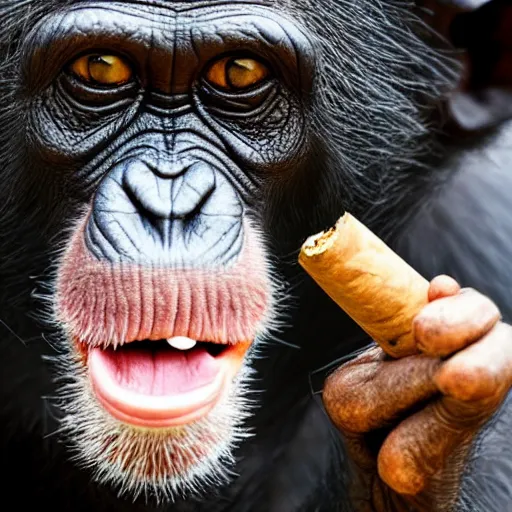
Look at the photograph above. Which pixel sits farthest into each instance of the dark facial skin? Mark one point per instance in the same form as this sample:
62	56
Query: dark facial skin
166	147
163	163
167	106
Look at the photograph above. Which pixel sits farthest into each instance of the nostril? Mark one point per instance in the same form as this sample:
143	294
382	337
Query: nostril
139	216
192	214
160	199
149	195
192	191
148	216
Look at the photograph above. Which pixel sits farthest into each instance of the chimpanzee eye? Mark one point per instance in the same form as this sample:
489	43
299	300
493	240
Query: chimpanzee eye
109	70
236	73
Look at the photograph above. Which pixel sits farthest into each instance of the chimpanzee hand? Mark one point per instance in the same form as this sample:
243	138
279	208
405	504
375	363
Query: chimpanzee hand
409	424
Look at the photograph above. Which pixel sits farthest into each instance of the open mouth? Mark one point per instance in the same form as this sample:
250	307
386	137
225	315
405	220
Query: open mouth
162	346
165	383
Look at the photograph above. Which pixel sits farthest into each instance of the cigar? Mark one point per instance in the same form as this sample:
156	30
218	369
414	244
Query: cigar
369	281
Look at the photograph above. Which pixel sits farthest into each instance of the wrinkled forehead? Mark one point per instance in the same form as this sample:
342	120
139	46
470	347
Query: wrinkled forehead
160	13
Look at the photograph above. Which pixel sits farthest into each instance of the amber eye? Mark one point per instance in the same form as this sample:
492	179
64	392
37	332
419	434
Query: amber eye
102	69
232	73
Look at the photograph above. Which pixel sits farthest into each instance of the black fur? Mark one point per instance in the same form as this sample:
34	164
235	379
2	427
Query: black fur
377	119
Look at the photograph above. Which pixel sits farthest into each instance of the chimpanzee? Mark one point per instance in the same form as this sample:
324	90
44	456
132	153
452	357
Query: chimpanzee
162	163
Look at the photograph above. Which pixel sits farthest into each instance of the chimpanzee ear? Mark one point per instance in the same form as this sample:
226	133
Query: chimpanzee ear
483	29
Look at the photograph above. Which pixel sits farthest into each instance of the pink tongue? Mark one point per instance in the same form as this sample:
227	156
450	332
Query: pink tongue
161	372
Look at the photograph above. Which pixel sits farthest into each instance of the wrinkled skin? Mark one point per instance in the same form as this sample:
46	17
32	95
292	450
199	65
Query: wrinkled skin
463	374
124	185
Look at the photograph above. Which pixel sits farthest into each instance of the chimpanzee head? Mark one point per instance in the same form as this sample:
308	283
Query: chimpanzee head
168	159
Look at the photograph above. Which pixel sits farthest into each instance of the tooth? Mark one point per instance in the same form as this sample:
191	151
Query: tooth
182	343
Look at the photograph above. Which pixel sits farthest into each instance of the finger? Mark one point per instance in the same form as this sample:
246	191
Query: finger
442	286
482	371
369	395
423	444
449	324
476	381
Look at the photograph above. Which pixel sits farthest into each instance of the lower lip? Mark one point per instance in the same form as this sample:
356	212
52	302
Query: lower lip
148	411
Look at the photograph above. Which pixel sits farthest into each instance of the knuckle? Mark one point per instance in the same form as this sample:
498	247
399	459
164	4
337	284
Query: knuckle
350	397
428	328
480	302
347	413
467	382
425	323
458	416
398	466
451	323
357	421
490	306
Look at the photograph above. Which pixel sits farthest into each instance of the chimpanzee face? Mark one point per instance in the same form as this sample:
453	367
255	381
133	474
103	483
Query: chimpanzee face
168	159
163	120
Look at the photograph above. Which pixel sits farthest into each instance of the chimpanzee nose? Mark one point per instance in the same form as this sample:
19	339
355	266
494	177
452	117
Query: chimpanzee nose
181	214
170	191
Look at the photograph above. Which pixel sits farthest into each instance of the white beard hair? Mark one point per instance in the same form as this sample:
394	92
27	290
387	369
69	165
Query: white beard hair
175	462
